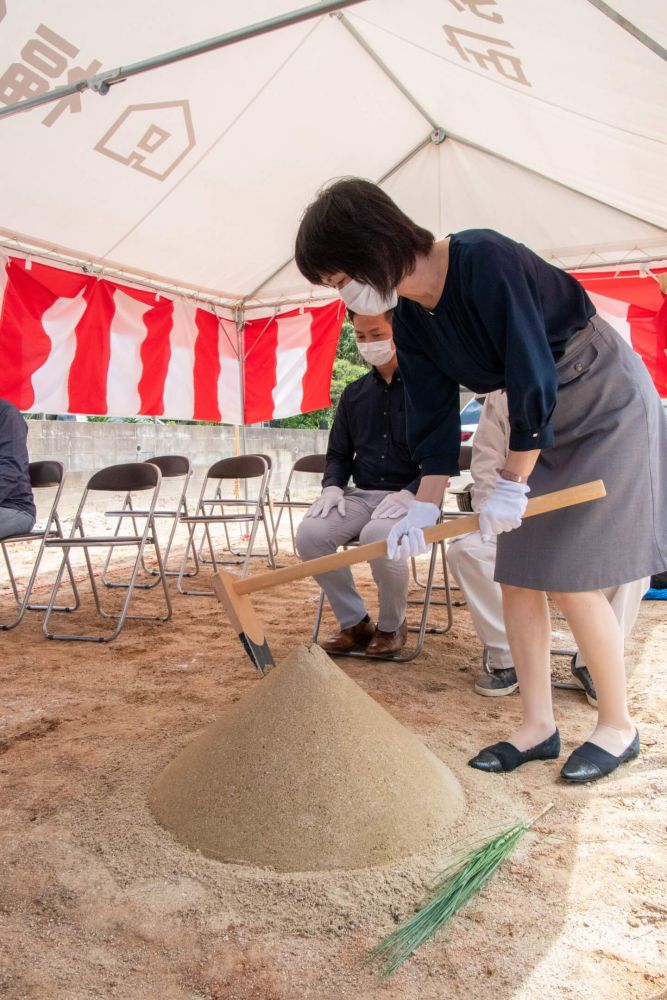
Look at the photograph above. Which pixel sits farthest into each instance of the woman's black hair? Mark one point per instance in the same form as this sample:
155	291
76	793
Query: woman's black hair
354	227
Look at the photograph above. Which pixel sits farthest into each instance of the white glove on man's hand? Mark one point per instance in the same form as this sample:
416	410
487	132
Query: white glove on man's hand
503	508
394	505
406	538
332	496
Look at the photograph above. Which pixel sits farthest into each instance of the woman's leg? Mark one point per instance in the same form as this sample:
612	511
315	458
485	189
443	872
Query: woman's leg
529	633
599	638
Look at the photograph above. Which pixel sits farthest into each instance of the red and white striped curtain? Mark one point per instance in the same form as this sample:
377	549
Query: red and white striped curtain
75	343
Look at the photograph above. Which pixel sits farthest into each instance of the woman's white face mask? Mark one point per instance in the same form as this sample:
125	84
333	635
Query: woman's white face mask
363	299
377	352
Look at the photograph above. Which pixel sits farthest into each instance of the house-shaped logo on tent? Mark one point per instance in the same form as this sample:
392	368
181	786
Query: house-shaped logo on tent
152	138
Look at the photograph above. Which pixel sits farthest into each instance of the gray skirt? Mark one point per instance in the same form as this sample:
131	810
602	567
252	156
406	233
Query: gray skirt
609	424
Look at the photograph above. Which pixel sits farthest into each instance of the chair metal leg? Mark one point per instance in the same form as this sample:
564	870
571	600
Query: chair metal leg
422	629
191	544
175	572
120	617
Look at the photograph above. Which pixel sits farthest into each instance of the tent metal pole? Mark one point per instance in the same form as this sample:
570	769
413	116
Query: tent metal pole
631	28
239	320
432	137
359	38
437	136
444	133
102	81
603	265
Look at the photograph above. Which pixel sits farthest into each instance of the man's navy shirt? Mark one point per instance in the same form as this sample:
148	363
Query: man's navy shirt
368	439
502	322
15	489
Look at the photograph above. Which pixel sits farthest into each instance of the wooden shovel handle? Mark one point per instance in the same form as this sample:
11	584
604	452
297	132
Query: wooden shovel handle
448	529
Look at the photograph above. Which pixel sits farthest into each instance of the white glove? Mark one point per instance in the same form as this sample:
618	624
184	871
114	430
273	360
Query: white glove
394	505
503	508
332	496
406	538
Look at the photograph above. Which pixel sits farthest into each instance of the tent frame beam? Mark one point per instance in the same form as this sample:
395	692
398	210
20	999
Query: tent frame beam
432	137
631	28
446	134
437	135
101	82
368	48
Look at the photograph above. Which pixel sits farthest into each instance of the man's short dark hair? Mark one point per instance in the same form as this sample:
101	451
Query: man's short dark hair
351	314
354	227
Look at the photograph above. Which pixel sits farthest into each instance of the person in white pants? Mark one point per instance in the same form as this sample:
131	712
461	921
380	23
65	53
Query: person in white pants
472	560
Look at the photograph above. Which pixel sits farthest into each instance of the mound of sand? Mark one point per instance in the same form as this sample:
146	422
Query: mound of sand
307	773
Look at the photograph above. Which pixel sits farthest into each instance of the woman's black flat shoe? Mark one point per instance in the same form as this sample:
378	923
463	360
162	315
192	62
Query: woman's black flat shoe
590	762
505	756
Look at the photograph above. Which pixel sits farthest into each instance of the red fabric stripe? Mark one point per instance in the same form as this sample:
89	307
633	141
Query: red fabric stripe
206	367
155	352
648	331
260	338
24	347
640	290
326	326
87	383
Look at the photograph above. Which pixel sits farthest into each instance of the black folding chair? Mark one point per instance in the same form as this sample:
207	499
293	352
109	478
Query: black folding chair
306	465
242	468
48	475
267	502
171	467
122	479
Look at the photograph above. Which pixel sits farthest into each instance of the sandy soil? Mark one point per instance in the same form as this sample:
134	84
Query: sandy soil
97	900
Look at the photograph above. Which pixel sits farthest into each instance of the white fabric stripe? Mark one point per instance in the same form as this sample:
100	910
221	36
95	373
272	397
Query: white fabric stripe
179	387
294	337
127	334
229	380
615	311
4	261
50	382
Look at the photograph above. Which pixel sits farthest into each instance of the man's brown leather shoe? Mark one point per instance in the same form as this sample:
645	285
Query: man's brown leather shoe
350	639
386	645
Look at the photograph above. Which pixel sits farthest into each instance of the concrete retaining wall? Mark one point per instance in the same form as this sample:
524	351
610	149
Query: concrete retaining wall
86	447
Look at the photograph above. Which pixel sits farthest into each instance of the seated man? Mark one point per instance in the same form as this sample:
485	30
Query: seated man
17	507
368	443
473	560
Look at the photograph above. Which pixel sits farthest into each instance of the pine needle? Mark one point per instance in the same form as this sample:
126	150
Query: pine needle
455	886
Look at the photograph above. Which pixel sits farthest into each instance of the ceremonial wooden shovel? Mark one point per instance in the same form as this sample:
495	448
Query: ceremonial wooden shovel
232	591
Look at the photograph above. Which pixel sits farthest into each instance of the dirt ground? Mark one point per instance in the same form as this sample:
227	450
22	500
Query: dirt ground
98	901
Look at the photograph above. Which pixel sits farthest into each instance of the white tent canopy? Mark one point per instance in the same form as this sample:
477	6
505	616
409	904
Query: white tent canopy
543	120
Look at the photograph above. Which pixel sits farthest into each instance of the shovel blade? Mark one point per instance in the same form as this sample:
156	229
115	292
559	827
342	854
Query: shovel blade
245	622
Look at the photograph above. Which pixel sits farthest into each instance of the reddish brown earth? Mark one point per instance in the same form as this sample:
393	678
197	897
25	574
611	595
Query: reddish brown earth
98	901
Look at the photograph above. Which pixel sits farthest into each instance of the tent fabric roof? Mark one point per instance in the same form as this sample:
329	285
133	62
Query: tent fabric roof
196	174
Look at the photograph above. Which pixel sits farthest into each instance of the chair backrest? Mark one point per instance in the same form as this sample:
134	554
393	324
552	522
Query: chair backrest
310	463
46	474
126	478
171	465
240	467
267	459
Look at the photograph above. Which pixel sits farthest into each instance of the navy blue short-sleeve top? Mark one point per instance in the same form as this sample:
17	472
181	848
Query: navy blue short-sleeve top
502	322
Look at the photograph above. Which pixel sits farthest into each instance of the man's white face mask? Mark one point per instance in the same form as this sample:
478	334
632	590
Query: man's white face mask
363	299
377	352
